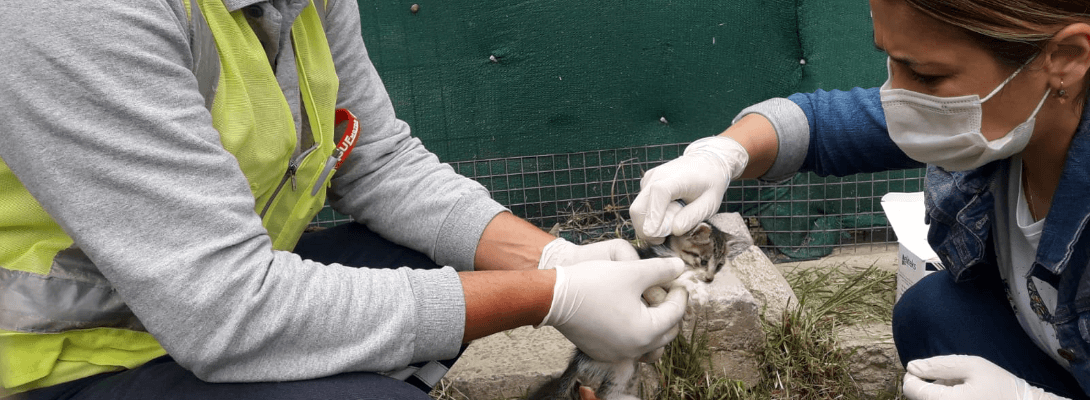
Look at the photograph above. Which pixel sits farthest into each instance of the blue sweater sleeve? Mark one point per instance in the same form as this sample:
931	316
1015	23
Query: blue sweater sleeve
848	133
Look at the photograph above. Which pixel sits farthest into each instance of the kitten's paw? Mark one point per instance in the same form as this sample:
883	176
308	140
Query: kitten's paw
699	295
698	291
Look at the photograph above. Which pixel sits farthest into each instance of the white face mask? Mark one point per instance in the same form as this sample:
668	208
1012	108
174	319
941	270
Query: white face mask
945	131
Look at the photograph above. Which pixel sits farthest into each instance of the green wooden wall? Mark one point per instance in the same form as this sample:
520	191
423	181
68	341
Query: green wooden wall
491	85
490	79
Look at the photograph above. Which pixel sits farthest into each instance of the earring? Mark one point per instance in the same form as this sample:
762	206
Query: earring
1061	93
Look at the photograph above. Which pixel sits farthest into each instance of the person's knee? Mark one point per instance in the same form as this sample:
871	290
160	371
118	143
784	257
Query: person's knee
920	314
917	303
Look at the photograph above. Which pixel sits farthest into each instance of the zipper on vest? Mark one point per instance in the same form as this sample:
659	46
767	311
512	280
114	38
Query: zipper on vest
289	175
328	169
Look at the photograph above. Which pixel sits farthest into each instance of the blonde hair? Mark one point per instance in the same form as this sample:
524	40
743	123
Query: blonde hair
1014	31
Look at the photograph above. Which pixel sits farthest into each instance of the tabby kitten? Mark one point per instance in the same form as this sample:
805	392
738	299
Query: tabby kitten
704	251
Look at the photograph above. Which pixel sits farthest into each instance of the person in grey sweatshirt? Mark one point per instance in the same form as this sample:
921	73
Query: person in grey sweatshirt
108	135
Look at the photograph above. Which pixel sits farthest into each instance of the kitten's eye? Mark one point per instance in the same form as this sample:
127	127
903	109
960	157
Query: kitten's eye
691	253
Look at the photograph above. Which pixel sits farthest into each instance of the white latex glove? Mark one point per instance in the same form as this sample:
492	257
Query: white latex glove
563	252
699	177
966	378
597	305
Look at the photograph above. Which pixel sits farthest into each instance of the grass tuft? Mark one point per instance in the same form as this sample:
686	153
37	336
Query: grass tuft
683	371
800	358
845	295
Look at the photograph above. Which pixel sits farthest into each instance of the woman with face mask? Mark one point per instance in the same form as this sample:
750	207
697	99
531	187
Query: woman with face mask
991	97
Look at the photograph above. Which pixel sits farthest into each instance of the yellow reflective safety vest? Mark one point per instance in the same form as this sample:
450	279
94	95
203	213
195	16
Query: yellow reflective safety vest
54	329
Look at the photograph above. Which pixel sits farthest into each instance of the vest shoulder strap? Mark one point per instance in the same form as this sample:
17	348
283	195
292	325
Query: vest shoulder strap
206	60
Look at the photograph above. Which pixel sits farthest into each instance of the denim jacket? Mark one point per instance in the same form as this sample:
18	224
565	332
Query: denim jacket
847	134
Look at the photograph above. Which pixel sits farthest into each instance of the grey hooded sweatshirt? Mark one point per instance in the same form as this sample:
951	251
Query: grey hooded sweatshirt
103	121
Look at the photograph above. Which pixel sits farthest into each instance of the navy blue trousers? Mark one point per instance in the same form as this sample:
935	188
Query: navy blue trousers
350	244
937	316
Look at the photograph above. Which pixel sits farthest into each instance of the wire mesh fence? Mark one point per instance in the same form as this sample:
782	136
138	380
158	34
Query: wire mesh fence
585	196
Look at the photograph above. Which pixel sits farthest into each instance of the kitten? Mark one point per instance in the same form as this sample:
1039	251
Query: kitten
704	251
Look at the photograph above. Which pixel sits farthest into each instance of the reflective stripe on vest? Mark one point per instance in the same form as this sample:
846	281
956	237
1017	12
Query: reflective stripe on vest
59	318
73	296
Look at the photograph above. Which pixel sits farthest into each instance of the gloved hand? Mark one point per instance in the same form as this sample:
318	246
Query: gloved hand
597	305
699	177
563	252
654	296
966	378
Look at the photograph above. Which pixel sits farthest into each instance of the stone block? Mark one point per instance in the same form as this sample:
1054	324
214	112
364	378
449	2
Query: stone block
765	282
874	364
731	321
508	364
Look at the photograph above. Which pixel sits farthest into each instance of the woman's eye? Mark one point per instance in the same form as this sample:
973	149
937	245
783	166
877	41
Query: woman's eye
924	79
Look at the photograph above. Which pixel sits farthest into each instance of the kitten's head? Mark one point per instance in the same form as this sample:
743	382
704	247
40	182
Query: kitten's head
703	249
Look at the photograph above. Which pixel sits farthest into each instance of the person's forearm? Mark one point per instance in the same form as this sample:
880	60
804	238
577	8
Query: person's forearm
757	135
500	300
510	243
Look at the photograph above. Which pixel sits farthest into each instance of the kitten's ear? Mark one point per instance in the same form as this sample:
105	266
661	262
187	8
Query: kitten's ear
701	234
